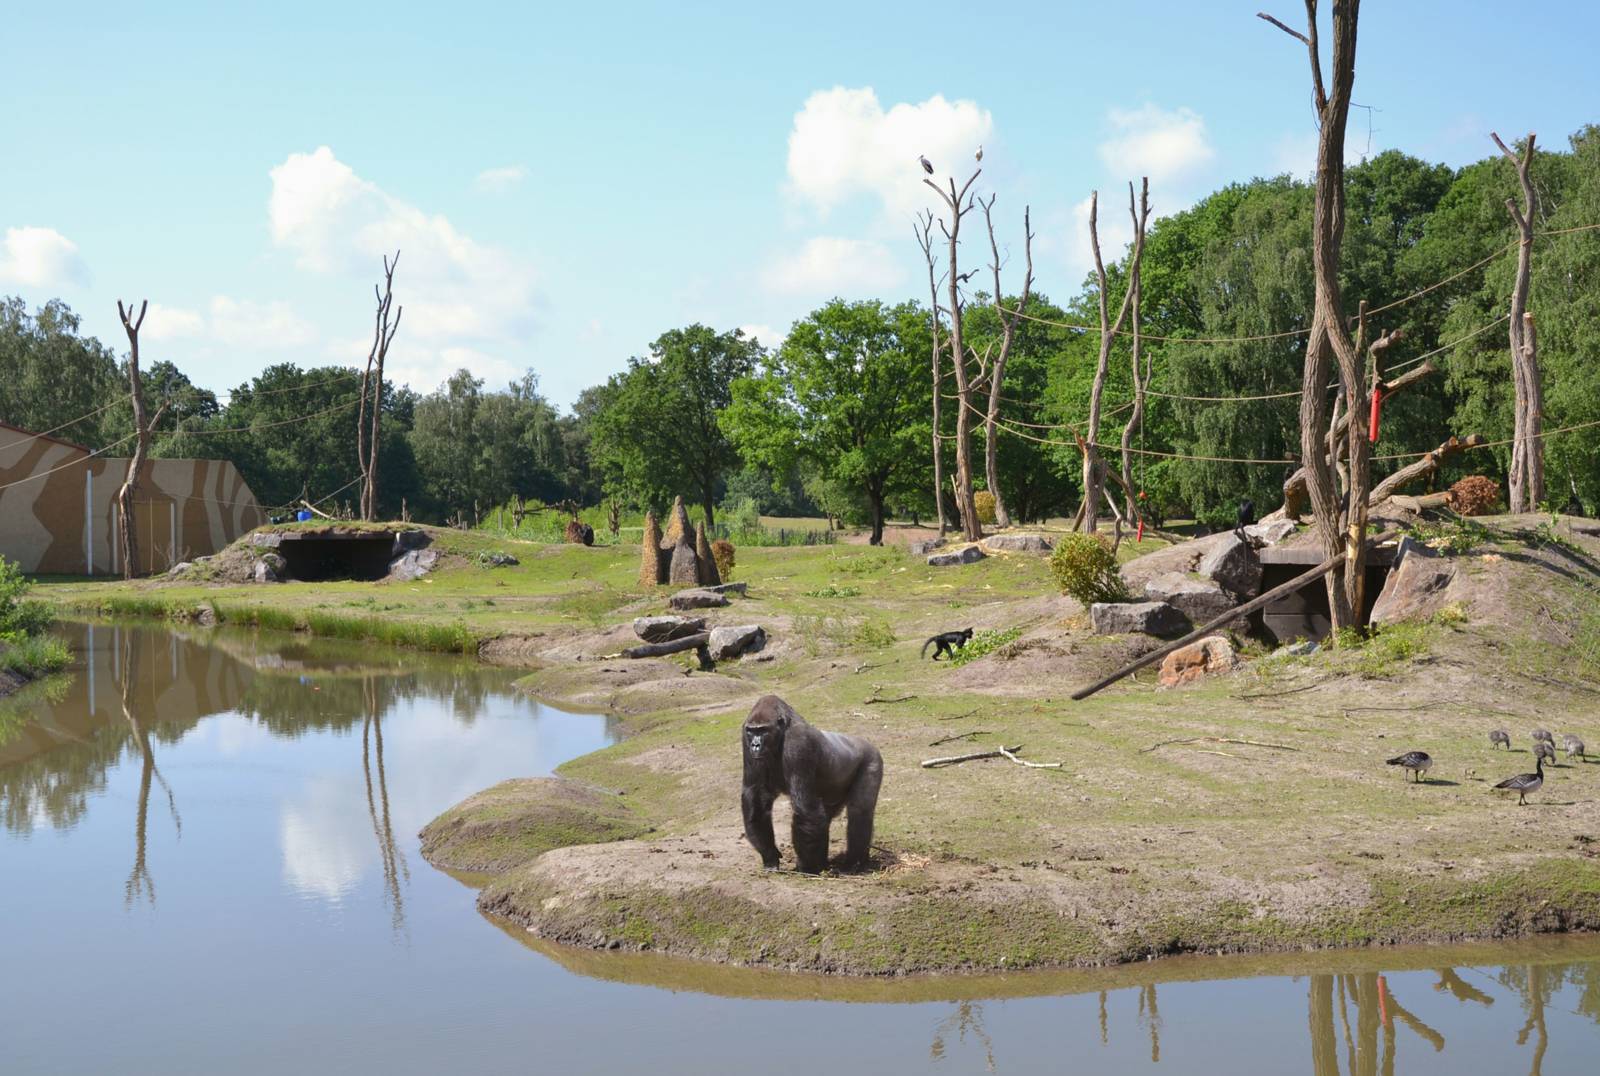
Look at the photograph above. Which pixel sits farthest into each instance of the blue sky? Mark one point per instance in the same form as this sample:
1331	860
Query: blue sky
568	182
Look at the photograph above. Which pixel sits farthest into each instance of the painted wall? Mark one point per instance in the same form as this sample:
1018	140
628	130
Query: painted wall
58	507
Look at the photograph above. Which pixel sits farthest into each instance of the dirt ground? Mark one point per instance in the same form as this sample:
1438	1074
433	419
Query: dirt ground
1251	812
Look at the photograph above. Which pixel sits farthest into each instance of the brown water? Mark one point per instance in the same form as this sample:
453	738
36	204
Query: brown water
208	863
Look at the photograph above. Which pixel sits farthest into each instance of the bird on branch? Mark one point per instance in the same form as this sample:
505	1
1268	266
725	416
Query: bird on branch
979	154
927	165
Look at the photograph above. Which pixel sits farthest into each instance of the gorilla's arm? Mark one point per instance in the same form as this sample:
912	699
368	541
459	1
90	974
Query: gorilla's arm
758	824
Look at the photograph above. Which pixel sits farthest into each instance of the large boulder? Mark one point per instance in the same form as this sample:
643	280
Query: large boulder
696	598
1201	600
1126	618
729	588
1234	564
1417	584
664	629
413	565
1185	665
270	568
1017	543
965	555
685	566
266	539
731	642
922	549
1271	532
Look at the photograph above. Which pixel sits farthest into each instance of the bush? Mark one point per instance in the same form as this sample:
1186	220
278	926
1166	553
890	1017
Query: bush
1086	570
722	553
19	618
743	515
1475	495
983	500
984	643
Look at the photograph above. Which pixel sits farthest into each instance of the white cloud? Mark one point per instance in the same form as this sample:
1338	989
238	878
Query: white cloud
843	144
40	258
171	323
765	335
834	265
458	295
1151	141
500	180
269	326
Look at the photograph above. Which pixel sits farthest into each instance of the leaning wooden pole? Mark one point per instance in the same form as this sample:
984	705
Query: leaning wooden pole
1210	626
1526	485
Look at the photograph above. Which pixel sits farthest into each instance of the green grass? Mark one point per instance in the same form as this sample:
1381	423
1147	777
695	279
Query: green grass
34	655
983	644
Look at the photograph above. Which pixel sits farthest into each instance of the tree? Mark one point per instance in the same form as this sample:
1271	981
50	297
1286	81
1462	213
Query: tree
367	441
845	396
658	437
1527	449
53	379
1094	471
142	423
1010	318
1341	525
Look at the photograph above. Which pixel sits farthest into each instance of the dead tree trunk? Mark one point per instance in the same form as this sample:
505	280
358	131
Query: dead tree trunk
924	232
1009	320
1141	378
959	205
1526	481
1093	467
382	336
1425	467
1329	343
143	423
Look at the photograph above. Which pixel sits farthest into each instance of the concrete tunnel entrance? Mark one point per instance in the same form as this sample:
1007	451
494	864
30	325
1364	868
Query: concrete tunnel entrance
318	557
1303	614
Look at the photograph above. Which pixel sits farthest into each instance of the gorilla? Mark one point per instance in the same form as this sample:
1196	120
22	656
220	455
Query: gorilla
822	773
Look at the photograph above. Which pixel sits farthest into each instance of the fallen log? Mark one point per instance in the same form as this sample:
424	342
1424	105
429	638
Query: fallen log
671	646
1294	489
1423	467
1310	576
1418	504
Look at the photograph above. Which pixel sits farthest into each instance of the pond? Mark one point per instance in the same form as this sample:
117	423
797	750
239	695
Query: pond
208	862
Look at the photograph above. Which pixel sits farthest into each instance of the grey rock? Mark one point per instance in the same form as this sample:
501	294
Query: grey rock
728	588
731	642
1271	532
264	573
664	629
1201	600
696	598
1233	564
180	567
497	559
266	540
1416	585
966	555
1017	543
413	565
922	549
205	616
1126	618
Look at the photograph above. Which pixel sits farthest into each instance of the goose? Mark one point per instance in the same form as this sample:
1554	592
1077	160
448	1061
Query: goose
1544	749
1573	744
1523	783
1543	734
1500	738
1415	762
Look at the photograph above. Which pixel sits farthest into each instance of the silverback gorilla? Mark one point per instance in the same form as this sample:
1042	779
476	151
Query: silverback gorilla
822	773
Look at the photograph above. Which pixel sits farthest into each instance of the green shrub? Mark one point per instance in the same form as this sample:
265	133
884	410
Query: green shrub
34	655
19	618
983	501
1085	569
722	552
984	643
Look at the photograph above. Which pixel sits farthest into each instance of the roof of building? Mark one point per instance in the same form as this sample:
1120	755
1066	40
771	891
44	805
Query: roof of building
4	425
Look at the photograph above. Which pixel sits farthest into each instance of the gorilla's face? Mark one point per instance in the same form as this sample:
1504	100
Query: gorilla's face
758	739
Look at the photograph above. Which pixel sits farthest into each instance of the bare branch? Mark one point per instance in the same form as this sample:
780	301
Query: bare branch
1291	31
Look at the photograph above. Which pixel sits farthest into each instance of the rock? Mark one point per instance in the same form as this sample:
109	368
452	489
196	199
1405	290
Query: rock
1125	618
696	598
922	549
266	539
1017	543
703	558
1271	532
413	565
733	641
1213	654
1234	565
1293	650
180	567
406	541
664	629
1201	600
1416	585
965	555
685	566
497	559
729	588
270	568
205	616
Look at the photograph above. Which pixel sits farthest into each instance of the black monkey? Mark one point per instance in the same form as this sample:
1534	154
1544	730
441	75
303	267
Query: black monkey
822	773
947	643
1247	515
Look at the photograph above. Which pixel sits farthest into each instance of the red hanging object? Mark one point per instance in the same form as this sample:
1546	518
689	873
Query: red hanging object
1377	406
1140	536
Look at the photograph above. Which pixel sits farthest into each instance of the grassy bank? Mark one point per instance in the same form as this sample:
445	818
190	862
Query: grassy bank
1251	812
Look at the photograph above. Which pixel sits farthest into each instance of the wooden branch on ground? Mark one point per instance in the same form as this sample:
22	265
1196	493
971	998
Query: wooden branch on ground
672	646
1275	694
1247	608
1217	739
959	736
898	698
1424	467
999	752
